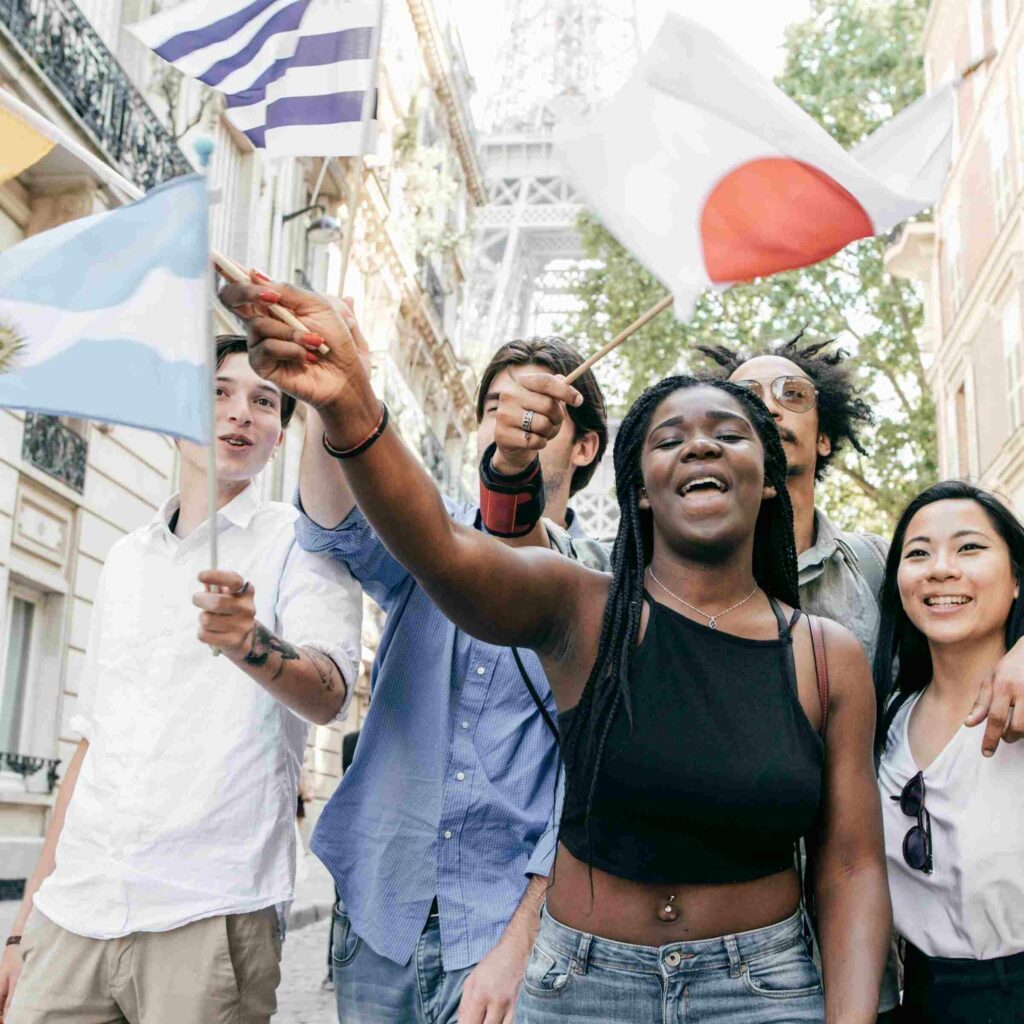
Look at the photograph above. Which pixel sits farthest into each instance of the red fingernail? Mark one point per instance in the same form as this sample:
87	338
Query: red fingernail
313	341
270	296
260	277
312	357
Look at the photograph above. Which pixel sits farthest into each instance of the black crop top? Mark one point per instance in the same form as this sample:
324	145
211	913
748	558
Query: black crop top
721	771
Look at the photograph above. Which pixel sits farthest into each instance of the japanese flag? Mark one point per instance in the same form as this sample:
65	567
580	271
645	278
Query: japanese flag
711	175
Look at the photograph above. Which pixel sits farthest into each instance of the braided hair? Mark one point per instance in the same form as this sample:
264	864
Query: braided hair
775	570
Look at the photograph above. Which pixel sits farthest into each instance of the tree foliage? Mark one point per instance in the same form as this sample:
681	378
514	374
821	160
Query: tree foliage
851	65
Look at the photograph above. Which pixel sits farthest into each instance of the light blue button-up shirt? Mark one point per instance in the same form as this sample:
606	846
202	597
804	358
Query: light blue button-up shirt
452	790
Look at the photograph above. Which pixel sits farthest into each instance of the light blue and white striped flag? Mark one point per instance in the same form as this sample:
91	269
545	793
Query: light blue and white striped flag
108	319
295	72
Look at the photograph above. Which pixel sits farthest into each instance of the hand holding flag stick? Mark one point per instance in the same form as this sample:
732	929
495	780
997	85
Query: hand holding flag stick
231	271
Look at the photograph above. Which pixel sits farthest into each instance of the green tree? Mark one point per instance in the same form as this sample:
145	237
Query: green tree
851	65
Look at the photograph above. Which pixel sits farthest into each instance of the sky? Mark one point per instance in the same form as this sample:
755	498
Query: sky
752	27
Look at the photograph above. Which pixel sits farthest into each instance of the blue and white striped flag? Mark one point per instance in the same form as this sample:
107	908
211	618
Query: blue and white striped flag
295	72
107	317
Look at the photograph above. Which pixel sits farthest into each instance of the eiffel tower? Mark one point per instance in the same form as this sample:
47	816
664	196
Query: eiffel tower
560	57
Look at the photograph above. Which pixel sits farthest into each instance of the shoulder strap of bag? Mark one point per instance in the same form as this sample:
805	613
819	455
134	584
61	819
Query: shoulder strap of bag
869	560
820	668
545	714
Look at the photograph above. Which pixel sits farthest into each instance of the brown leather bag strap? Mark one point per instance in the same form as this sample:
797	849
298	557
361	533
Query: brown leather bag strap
820	668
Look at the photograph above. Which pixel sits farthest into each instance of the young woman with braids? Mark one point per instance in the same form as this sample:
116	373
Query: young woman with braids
689	707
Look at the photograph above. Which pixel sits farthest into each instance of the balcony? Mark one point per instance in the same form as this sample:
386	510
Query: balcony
55	449
435	291
57	38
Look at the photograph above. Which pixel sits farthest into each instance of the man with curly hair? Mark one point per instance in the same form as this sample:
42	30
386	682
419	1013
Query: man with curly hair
810	391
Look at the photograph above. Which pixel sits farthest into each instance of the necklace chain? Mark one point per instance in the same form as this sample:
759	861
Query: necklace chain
712	619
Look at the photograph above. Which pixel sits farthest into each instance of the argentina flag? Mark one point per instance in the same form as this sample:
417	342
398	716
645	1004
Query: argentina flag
295	73
107	317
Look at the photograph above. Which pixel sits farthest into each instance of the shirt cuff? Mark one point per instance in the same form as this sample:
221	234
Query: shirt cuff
314	537
542	860
349	673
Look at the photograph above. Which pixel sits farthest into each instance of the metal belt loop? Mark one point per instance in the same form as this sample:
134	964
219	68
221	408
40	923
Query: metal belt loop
583	953
732	947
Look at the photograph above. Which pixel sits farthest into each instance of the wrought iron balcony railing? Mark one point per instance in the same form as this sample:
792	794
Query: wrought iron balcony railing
25	765
55	449
57	37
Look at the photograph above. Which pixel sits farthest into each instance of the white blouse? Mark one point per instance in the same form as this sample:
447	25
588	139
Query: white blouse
972	904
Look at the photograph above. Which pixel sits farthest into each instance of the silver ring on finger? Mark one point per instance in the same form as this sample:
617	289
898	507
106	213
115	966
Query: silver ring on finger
528	422
241	590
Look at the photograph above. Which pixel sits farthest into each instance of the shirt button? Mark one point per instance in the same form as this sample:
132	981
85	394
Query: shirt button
465	725
461	776
447	834
673	960
117	855
481	671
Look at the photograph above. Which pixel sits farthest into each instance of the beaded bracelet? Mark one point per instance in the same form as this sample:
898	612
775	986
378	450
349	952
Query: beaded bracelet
351	453
510	506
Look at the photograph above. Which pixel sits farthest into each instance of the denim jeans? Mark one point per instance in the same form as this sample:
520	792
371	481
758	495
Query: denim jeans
370	989
765	976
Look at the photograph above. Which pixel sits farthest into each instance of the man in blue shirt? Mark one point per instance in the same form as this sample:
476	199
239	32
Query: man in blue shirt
442	832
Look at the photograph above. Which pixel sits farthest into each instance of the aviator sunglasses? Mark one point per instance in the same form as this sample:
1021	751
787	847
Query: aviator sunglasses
917	843
798	394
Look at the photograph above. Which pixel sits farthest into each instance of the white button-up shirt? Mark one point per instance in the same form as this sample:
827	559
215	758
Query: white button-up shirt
185	805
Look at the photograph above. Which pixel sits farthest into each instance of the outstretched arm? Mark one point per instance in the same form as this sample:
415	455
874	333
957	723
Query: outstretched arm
851	888
502	595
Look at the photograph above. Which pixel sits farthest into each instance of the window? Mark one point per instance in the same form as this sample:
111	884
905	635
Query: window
998	135
954	271
22	629
1012	350
963	468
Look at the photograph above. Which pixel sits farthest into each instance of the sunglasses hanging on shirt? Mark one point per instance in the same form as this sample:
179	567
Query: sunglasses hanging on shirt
917	843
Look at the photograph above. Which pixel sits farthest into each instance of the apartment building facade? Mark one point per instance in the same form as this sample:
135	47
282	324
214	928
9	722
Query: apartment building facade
68	488
969	259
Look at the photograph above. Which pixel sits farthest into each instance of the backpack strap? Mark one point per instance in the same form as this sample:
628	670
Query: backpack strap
820	668
870	560
537	699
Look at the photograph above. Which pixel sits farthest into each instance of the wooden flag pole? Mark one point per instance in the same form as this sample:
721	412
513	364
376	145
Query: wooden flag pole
620	338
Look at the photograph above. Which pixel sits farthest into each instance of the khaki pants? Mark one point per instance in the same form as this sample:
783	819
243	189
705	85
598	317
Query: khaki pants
221	970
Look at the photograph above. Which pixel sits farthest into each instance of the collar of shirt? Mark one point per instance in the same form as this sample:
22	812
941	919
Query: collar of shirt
237	512
827	543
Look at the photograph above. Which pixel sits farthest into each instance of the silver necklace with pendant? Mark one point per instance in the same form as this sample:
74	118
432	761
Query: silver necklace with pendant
712	619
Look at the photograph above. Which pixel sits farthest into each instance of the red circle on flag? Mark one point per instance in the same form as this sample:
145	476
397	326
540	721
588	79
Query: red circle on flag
776	214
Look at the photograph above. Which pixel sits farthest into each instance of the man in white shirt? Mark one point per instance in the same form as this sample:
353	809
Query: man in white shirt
171	850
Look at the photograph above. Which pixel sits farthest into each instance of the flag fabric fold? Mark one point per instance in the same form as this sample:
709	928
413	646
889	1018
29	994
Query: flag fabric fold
295	73
711	175
107	317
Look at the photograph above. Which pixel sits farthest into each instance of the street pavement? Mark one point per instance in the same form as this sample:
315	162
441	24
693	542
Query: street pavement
301	998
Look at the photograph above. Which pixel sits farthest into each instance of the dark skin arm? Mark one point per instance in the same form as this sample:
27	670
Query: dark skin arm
850	883
456	565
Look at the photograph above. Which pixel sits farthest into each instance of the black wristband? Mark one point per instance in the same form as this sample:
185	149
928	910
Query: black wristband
510	506
351	453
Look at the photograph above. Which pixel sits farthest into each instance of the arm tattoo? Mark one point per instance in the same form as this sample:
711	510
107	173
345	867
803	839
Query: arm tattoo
264	644
326	669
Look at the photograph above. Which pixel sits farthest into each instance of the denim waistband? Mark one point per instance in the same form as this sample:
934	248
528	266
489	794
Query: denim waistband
703	954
